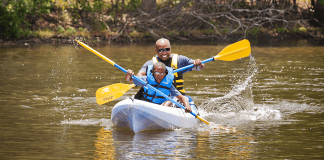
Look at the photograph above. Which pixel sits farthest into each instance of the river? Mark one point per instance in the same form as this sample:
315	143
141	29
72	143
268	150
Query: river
266	106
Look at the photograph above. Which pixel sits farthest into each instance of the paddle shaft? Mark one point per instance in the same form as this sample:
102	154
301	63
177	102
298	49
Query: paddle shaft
138	79
192	65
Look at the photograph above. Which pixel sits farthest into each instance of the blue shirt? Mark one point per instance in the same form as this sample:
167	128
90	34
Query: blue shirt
173	90
182	62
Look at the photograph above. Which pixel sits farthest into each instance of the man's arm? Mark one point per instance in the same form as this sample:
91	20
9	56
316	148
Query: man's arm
142	71
185	102
185	61
183	99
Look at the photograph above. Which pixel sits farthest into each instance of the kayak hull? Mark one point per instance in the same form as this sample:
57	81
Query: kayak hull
138	116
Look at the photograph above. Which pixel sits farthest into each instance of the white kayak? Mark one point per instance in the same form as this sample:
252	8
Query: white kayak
138	115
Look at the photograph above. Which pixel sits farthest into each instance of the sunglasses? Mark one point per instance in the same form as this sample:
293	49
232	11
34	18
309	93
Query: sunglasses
158	73
163	50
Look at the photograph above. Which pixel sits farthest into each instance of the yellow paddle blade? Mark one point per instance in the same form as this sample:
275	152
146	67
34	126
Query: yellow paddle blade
235	51
112	92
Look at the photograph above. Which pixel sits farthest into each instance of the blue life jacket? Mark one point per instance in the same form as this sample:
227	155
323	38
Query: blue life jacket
178	77
165	85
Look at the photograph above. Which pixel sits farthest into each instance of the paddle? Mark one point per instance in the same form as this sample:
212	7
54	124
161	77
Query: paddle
112	92
232	52
148	86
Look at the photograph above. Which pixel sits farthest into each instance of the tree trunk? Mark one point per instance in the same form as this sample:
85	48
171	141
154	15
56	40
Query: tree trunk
122	8
313	3
149	6
113	11
319	13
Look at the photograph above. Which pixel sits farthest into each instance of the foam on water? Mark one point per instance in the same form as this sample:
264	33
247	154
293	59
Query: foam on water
86	122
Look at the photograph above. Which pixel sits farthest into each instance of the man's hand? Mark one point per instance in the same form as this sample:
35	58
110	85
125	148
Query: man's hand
129	75
185	102
197	63
188	109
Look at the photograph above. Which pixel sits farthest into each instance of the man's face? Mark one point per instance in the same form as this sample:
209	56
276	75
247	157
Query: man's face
163	49
159	74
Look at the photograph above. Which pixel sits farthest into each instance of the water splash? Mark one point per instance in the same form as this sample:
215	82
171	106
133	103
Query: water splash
239	98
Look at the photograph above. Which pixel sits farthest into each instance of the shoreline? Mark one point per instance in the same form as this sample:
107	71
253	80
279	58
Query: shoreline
264	40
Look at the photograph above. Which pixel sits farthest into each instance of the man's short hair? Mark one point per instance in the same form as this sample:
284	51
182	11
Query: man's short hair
159	64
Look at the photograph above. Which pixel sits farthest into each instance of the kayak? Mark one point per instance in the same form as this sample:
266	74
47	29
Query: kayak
138	115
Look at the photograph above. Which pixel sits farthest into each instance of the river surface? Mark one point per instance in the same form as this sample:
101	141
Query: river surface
49	110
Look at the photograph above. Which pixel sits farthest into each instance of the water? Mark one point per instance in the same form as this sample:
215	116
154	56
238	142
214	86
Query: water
267	106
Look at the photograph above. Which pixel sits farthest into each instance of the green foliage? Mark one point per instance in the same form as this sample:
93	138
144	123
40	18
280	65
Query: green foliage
47	33
26	33
9	23
13	15
147	34
225	30
136	34
183	33
321	30
214	23
172	32
70	32
208	31
255	31
302	29
281	30
97	5
321	2
190	3
60	29
133	4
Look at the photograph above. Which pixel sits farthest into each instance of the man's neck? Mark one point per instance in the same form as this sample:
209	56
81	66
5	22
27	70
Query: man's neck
166	62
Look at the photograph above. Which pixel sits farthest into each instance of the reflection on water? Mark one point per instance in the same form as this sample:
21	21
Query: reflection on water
122	144
49	111
104	145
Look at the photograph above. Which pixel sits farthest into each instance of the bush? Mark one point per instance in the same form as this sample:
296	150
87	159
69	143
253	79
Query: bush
9	23
13	15
25	33
70	32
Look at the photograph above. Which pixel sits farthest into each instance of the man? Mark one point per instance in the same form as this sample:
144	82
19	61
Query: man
160	77
163	50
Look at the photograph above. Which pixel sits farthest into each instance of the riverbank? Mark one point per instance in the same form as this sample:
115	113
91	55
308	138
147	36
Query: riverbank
314	38
62	23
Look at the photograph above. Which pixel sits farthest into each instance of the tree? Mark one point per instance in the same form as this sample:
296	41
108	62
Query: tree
149	6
